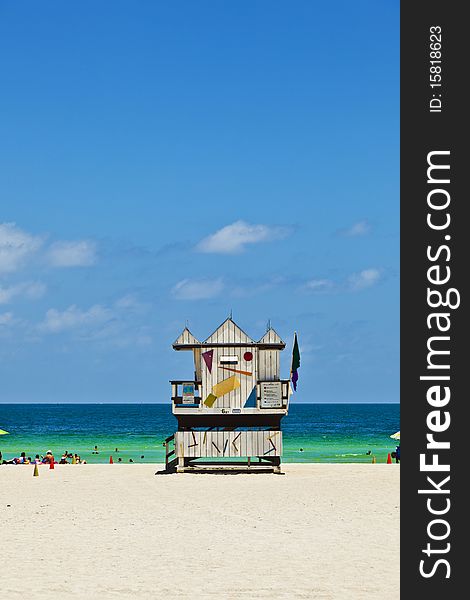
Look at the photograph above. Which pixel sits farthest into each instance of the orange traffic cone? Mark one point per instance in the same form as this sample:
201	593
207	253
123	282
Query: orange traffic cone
374	460
111	460
36	470
51	463
389	459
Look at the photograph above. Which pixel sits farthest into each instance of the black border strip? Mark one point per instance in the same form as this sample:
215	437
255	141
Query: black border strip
422	132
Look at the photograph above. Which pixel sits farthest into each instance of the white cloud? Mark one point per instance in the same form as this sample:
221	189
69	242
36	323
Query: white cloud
319	285
30	290
248	288
16	246
197	289
81	253
233	239
364	279
129	302
358	229
117	325
75	318
7	319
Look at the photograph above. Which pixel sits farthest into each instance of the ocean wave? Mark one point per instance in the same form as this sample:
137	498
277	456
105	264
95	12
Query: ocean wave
349	454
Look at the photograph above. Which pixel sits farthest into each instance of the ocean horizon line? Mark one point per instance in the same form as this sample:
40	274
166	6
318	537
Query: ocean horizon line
169	404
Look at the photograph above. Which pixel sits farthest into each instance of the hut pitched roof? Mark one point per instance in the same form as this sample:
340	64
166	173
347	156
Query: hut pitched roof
271	337
229	333
186	338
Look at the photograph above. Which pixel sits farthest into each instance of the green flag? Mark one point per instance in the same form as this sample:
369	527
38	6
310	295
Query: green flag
295	362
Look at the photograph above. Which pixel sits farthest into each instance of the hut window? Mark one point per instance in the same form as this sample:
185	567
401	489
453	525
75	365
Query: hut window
229	360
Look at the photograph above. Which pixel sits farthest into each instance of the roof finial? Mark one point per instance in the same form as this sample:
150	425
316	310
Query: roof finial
186	323
268	325
231	315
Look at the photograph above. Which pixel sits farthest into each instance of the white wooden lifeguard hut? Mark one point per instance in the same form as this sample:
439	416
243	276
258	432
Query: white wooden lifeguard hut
229	413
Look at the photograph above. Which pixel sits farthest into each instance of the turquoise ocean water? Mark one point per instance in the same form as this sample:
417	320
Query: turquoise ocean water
326	432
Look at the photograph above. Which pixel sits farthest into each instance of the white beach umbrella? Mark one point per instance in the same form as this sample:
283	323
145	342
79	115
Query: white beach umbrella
395	436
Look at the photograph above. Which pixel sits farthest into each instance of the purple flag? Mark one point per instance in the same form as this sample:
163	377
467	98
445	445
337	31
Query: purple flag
207	356
295	377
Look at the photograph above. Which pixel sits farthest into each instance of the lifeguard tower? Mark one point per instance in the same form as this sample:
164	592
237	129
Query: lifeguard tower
229	415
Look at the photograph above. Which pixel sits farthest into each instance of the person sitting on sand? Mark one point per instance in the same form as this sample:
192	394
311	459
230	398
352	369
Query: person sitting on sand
23	460
17	460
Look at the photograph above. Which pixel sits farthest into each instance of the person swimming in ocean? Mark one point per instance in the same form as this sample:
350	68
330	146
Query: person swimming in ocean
301	449
369	452
95	450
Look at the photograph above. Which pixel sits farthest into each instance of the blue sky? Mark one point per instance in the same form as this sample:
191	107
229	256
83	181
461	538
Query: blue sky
170	162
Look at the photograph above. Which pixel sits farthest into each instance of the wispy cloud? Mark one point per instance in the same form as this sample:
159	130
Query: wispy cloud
233	239
364	279
7	319
197	289
118	325
73	318
319	285
129	302
29	290
16	247
352	283
356	230
254	286
81	253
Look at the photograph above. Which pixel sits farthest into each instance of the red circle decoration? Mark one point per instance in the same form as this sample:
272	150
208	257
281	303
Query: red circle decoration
248	356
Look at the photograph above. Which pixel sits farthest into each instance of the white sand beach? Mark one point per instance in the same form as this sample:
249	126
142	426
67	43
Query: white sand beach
321	531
